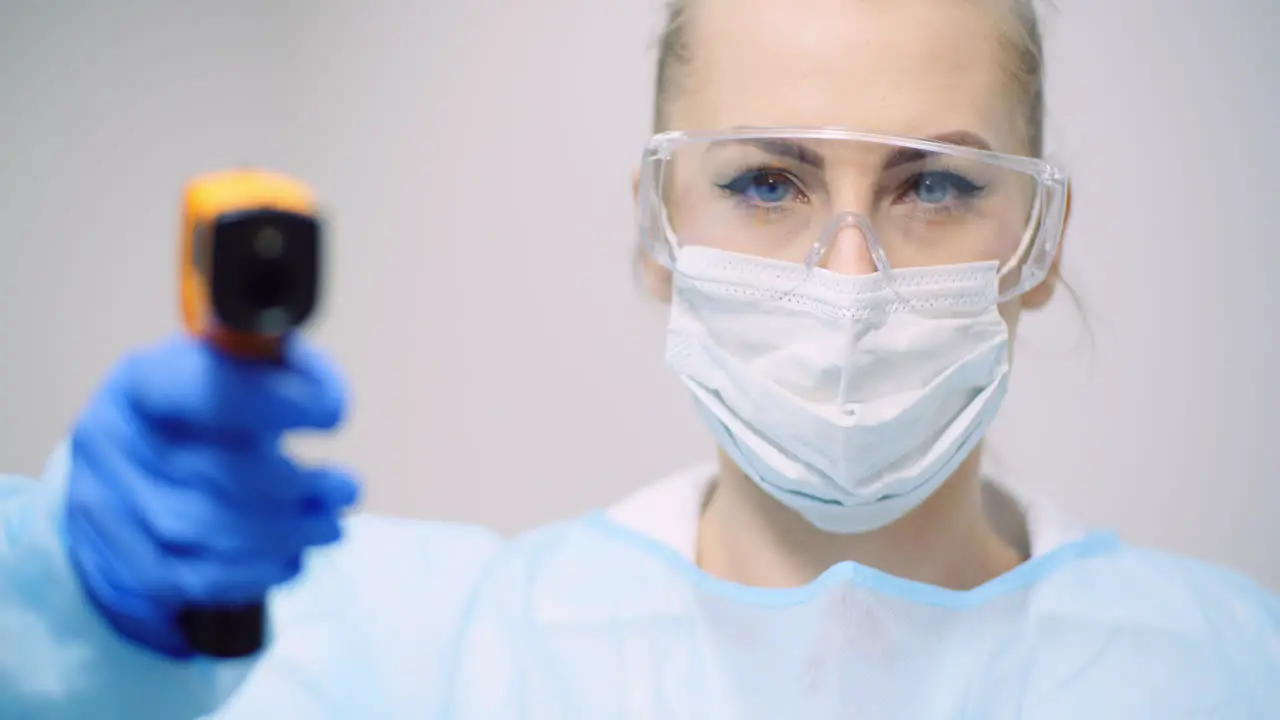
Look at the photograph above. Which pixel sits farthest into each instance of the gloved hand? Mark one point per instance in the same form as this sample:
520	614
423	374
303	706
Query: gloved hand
179	492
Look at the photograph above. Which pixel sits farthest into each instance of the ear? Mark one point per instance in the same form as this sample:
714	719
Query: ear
655	278
1040	295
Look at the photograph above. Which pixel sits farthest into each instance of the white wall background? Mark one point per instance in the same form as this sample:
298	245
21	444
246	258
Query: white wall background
475	157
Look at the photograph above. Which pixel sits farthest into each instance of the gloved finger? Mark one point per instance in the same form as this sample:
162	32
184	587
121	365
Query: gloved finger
330	491
208	580
109	542
104	537
180	516
304	358
256	479
181	520
120	569
188	383
252	476
201	526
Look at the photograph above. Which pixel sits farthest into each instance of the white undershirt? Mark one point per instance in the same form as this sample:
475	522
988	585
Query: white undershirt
669	510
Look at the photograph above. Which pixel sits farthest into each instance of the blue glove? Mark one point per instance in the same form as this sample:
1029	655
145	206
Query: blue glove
179	493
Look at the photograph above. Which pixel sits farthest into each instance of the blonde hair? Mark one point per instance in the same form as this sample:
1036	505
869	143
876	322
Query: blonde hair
1020	33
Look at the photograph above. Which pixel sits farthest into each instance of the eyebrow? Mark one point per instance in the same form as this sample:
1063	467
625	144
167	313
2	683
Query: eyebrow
786	149
963	138
792	150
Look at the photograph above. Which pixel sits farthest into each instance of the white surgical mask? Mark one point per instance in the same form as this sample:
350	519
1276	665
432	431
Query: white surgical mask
847	398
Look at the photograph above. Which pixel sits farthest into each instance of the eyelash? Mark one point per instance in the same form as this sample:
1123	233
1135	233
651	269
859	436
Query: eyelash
966	190
735	188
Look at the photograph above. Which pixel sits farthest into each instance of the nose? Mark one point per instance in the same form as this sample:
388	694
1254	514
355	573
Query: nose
848	250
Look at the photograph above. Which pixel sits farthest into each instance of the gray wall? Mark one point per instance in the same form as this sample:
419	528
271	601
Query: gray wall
475	157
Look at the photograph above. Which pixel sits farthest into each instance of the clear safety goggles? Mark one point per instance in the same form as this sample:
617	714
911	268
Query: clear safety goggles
853	202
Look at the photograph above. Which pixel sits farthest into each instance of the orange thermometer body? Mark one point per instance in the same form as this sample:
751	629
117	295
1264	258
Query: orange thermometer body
250	274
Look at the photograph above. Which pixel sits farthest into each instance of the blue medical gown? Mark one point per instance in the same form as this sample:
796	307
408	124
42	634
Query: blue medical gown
586	619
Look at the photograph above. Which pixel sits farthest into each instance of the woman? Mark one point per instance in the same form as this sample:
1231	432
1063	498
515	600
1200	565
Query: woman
842	306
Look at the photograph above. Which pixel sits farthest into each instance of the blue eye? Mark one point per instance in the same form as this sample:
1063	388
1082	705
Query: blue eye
767	187
938	186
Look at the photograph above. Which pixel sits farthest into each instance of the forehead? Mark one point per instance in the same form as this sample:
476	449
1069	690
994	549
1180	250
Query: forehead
900	67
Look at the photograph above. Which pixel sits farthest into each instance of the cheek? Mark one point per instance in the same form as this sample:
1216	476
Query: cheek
698	216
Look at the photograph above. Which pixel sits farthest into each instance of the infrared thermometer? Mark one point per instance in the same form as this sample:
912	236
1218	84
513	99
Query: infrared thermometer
250	275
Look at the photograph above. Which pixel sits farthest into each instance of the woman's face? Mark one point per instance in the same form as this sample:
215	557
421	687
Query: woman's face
922	68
